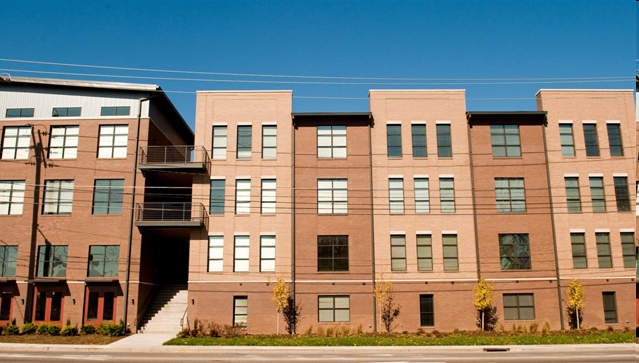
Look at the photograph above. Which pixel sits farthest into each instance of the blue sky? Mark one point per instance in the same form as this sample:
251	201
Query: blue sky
463	41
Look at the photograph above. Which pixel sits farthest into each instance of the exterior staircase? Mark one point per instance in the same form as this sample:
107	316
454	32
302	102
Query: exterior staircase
166	310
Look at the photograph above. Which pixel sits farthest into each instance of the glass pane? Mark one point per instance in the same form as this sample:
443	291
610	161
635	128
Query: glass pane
92	306
109	302
326	315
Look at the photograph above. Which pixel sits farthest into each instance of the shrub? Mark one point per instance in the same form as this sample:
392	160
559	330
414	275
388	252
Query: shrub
213	329
110	329
534	327
232	331
292	312
321	332
545	329
184	333
360	330
610	329
11	329
48	329
69	330
309	331
28	328
87	329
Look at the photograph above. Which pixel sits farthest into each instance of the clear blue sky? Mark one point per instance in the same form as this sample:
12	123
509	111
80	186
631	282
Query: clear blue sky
386	39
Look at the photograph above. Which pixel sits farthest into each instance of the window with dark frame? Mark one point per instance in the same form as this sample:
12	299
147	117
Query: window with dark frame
622	194
8	260
269	142
52	261
11	197
113	141
418	133
519	307
514	251
398	252
573	196
567	140
5	306
614	139
422	196
216	205
591	140
628	249
394	140
219	143
331	141
396	195
63	143
444	141
332	253
243	196
103	261
240	311
451	257
267	253
332	196
424	252
597	194
66	112
216	254
244	141
58	197
269	196
241	254
19	112
426	310
16	142
505	140
579	254
48	305
604	255
333	308
108	195
510	195
115	111
447	195
610	307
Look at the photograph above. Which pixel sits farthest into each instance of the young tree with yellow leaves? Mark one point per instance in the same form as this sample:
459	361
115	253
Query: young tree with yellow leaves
384	295
575	304
281	293
484	304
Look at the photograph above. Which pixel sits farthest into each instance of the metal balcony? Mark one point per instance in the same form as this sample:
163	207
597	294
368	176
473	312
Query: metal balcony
174	158
182	215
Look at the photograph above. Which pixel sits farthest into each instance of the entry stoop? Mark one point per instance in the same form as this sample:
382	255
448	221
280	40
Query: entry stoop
166	310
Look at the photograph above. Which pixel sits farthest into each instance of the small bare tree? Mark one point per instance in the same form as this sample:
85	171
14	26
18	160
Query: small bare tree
389	311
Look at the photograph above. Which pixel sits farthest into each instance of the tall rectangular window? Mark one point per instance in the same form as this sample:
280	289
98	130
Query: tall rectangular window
394	141
426	310
628	249
514	251
241	254
444	141
610	307
103	261
510	195
107	196
567	140
333	309
269	142
267	253
11	197
614	139
8	260
113	141
398	253
244	141
217	196
269	193
216	254
396	195
52	261
332	196
590	137
422	198
447	195
451	258
115	111
505	140
603	250
424	252
332	253
16	142
240	311
19	112
579	255
622	194
331	141
58	197
219	143
243	196
519	307
63	143
66	112
5	306
418	133
573	196
597	194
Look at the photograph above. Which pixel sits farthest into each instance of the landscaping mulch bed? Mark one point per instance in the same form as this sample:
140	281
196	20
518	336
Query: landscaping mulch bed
92	339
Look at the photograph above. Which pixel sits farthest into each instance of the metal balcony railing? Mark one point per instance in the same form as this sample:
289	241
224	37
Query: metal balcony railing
171	215
174	157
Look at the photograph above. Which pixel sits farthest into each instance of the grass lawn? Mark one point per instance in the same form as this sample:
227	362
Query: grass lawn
91	339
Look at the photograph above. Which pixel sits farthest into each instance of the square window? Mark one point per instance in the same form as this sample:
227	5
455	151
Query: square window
58	197
16	142
332	196
514	251
333	308
107	196
332	253
113	141
331	141
103	261
505	140
519	307
11	197
510	195
63	143
52	261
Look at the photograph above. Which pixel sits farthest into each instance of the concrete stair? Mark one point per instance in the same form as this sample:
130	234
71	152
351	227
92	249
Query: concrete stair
166	310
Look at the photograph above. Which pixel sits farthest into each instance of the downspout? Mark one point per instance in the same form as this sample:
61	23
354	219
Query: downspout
370	170
474	197
293	207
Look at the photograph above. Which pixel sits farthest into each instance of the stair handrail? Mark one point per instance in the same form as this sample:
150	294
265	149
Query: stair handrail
187	320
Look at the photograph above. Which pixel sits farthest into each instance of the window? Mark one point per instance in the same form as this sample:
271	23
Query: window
241	254
269	193
510	195
269	142
505	140
19	112
48	304
11	197
519	307
219	143
115	111
567	140
422	199
217	196
610	307
5	306
66	111
579	256
64	142
216	254
447	195
418	133
396	195
333	309
113	141
424	252
243	196
603	250
331	141
597	194
426	310
332	253
244	141
514	251
103	261
267	253
52	261
100	305
451	259
240	311
394	141
590	137
573	197
8	260
628	249
16	142
398	253
444	141
332	196
58	197
622	194
107	196
614	139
